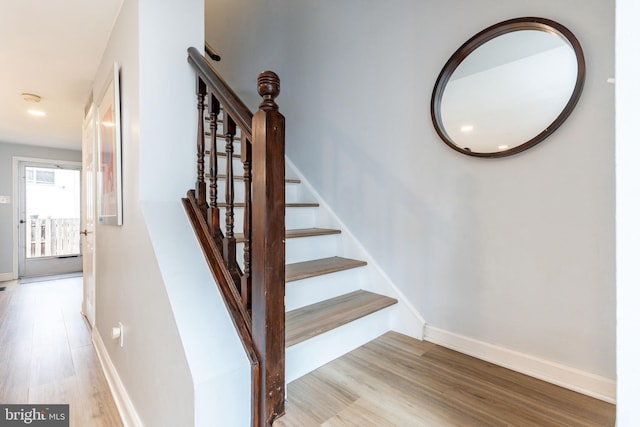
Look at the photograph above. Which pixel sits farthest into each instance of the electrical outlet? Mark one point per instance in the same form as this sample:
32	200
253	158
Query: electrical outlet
121	334
5	199
117	333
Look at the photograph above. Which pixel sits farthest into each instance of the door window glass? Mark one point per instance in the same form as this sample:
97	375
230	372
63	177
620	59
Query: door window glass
52	212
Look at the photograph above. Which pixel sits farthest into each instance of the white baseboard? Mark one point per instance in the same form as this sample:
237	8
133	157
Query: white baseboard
583	382
6	276
125	407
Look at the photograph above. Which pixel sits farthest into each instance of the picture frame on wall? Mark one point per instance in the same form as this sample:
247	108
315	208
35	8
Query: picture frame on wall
110	153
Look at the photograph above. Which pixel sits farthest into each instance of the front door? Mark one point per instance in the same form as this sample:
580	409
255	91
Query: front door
49	233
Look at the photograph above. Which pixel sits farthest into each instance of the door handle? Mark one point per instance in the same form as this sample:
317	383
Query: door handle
22	221
85	232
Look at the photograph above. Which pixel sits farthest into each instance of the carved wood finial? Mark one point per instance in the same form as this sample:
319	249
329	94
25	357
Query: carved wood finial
269	89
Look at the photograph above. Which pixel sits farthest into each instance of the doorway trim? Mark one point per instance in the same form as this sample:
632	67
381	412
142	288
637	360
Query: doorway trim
16	198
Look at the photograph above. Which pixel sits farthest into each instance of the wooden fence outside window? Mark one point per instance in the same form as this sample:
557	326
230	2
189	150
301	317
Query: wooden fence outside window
52	236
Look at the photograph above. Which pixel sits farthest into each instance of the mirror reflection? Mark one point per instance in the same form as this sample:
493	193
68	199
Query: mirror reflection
508	91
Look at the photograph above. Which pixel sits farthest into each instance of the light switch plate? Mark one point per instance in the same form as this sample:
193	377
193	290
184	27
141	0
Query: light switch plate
5	199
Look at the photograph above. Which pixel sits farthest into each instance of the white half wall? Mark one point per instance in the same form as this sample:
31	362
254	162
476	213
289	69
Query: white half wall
518	252
219	367
628	210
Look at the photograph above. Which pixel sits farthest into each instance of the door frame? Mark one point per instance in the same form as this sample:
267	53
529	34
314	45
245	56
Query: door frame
17	201
89	283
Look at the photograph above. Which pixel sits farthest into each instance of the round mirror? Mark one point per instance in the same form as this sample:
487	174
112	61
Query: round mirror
508	87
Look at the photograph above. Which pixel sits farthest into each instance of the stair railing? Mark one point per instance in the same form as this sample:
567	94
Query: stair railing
210	51
253	293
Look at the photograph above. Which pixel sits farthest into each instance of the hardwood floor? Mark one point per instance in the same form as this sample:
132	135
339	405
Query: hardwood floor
46	354
398	381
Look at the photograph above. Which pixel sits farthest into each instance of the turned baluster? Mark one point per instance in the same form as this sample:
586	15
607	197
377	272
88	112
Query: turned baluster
245	288
201	186
213	218
229	242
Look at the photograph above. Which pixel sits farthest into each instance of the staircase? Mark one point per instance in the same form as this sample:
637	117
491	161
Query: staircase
329	310
329	307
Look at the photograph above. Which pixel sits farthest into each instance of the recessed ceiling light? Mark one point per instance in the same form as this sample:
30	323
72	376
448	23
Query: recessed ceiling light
37	113
466	128
31	97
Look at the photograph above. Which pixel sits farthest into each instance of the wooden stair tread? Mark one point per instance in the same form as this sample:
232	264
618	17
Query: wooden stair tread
241	178
310	232
287	205
315	319
299	232
221	136
318	267
222	154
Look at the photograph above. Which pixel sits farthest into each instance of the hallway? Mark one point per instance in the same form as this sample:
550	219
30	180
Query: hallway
47	356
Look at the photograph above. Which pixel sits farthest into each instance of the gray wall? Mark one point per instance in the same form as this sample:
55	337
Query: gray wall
517	252
7	152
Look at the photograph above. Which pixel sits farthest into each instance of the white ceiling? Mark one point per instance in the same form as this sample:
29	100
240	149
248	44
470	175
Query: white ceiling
51	48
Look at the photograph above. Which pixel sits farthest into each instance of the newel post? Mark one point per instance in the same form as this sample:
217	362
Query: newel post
268	251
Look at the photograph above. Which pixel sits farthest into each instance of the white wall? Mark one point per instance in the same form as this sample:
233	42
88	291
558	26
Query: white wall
129	287
628	210
517	252
167	97
182	363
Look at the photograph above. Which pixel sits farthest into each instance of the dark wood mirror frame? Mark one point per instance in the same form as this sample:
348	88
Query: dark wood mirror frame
518	24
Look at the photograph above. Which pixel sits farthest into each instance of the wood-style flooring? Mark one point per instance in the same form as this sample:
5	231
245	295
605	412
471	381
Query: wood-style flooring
46	354
399	381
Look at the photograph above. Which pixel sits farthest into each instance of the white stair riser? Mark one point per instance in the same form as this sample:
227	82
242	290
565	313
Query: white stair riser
310	248
304	292
297	250
300	218
294	218
291	193
291	189
308	355
238	168
221	141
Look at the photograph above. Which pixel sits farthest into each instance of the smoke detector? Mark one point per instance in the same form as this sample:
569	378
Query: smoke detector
31	97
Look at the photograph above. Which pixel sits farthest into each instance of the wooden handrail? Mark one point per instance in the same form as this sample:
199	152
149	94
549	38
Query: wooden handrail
253	294
211	52
227	97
